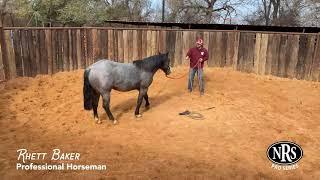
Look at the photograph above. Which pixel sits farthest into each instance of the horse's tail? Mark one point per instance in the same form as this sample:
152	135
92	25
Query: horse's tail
87	91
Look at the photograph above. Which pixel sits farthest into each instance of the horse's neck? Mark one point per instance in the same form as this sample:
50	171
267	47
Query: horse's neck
155	65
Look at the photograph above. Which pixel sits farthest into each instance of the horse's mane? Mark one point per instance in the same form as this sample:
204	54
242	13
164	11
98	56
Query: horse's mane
149	62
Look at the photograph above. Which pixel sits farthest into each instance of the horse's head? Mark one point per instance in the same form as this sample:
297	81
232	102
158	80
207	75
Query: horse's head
165	65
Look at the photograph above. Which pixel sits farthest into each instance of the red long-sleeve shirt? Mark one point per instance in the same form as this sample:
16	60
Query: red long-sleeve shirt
195	54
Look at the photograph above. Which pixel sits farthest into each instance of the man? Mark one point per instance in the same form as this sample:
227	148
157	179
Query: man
197	56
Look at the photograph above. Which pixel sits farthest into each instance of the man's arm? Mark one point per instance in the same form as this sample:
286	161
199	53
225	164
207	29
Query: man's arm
188	55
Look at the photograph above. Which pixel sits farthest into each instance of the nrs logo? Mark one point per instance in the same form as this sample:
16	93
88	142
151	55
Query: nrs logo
284	155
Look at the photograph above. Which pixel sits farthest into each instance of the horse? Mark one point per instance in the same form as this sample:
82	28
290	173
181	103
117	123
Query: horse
104	75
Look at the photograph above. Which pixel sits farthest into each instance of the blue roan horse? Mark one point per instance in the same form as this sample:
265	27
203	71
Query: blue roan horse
103	76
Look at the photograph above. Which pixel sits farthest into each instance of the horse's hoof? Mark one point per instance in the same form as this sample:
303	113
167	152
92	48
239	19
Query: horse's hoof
98	122
138	116
115	122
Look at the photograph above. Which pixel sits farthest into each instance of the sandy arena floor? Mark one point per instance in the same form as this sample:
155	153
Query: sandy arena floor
251	112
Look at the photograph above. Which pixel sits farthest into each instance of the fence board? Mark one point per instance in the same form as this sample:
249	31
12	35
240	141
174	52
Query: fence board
130	45
2	75
70	58
48	47
96	44
89	46
309	56
74	49
32	53
11	55
103	43
170	44
292	55
185	46
156	43
25	54
149	43
4	53
217	49
257	53
223	47
17	51
230	48
315	70
135	45
59	46
211	49
263	54
282	55
54	51
144	44
245	53
270	55
275	54
84	48
236	50
216	39
153	43
120	46
110	44
115	45
302	52
178	48
140	46
78	42
163	44
206	44
65	50
125	46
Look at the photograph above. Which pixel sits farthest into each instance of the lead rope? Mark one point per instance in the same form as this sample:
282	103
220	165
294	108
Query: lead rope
184	75
158	93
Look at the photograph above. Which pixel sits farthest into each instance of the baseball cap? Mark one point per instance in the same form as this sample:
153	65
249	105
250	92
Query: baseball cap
200	41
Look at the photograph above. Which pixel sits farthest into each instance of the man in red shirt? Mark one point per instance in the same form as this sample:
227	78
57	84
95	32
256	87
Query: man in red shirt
197	55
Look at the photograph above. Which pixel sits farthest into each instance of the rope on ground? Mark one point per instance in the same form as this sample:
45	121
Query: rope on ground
195	115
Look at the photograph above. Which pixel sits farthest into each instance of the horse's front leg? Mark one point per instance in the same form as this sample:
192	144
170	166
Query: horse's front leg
142	93
106	106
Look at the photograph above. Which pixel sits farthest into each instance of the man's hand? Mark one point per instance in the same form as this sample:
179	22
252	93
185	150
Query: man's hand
200	60
187	58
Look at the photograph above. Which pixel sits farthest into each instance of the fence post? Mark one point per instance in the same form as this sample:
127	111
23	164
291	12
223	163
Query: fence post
4	55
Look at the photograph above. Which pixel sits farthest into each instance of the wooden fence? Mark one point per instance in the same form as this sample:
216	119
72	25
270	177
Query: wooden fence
32	51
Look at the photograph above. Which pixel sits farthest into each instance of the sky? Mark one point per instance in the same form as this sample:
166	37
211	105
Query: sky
156	3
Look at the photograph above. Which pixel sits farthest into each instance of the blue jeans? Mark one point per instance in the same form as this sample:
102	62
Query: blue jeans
192	73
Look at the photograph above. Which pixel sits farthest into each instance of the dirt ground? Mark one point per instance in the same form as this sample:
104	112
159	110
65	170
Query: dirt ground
250	113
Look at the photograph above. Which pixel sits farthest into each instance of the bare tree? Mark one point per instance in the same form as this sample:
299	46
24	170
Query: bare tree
5	9
276	12
202	11
311	13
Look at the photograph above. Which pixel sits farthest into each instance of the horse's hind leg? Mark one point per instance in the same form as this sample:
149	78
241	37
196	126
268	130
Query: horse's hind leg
146	98
142	94
106	106
95	103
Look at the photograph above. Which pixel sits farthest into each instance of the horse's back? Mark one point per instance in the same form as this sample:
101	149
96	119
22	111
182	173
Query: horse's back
106	74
